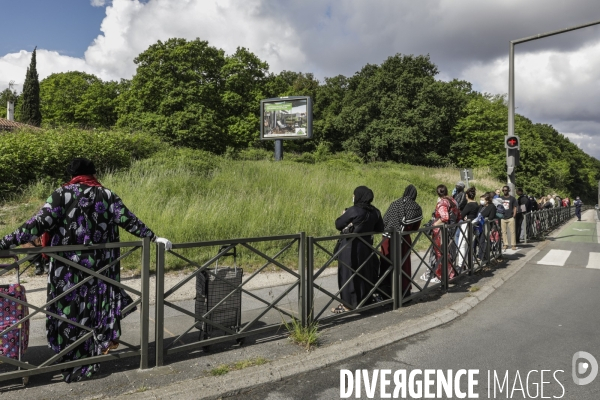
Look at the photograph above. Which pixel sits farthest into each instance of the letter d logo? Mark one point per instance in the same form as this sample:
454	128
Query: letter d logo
580	368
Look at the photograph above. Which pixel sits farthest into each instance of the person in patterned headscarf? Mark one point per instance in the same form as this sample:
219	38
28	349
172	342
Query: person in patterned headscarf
404	215
83	212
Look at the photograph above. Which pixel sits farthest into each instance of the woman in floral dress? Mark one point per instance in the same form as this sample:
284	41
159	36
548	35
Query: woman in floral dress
83	212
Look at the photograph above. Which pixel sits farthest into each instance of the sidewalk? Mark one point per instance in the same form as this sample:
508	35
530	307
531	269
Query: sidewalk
188	376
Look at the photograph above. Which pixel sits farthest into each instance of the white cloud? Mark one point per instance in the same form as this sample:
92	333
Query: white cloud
558	88
131	26
98	3
13	66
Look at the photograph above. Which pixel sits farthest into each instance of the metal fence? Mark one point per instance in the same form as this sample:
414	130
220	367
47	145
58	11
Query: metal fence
407	266
33	362
256	311
541	222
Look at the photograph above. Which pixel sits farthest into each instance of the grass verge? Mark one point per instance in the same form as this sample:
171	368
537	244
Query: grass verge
191	197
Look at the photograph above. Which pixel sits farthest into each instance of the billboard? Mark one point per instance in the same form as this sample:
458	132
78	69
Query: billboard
286	118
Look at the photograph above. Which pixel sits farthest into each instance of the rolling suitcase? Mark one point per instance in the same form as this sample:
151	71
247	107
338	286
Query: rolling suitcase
211	290
13	343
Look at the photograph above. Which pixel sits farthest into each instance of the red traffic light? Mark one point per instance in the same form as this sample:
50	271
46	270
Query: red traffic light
512	142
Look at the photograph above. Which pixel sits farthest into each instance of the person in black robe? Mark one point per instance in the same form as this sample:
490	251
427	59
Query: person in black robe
362	217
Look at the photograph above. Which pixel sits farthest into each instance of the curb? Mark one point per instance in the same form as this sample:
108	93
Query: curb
236	382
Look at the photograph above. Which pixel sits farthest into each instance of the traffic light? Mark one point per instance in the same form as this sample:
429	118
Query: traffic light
512	142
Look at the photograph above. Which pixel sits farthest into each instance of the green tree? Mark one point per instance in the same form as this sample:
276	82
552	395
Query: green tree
30	98
192	94
98	106
328	104
244	76
398	111
175	94
79	99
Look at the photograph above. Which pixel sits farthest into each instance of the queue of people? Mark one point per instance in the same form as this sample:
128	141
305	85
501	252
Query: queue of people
359	268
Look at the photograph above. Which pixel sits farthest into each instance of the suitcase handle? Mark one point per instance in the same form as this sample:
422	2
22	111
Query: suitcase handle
231	252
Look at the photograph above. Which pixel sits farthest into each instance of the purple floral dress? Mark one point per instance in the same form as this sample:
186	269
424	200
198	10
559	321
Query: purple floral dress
80	214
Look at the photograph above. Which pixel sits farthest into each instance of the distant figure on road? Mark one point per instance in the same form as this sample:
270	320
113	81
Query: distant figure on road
362	217
404	215
508	222
83	212
578	203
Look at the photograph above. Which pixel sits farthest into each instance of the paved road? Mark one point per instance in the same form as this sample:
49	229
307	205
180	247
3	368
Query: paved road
537	321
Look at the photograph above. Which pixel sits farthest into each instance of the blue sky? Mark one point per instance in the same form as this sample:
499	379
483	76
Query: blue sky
67	26
557	79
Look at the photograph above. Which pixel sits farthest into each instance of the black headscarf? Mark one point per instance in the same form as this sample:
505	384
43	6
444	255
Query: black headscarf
81	166
404	211
363	196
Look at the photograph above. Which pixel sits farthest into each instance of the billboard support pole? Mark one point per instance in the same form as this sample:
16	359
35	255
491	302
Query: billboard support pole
278	150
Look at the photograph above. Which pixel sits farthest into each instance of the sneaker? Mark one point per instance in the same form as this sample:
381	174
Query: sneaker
514	247
504	247
425	277
435	280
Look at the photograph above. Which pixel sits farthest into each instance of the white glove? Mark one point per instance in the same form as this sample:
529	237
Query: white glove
165	241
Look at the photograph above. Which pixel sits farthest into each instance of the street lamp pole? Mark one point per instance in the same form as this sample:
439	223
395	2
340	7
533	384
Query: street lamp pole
511	85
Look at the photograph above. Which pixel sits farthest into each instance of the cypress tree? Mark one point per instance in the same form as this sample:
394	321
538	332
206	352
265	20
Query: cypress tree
30	99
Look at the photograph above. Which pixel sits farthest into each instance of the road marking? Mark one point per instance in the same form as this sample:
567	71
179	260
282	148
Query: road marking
594	261
555	257
580	230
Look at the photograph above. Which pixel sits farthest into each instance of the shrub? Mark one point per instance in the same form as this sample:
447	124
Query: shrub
253	154
175	159
27	156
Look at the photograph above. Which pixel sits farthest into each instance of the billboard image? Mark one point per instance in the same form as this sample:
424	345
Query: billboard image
286	118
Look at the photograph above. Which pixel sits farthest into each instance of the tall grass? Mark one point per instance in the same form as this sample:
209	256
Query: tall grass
191	197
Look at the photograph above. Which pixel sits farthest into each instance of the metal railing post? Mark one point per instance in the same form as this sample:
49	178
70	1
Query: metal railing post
527	218
488	241
159	310
396	254
145	304
470	243
309	280
444	233
302	272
